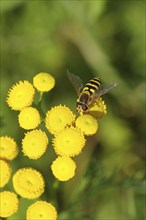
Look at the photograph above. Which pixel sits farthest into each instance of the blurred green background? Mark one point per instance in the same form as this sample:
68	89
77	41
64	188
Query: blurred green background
89	38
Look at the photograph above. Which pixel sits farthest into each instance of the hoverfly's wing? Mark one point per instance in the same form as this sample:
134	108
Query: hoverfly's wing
75	81
104	89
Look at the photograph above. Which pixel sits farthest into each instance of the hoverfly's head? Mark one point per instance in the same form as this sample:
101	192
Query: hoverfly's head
81	107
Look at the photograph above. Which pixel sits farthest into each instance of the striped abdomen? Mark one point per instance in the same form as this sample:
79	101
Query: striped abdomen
92	86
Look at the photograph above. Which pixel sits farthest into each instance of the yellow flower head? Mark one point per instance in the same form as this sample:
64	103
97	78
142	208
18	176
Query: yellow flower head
63	168
29	118
58	118
8	204
5	173
41	210
8	148
69	142
20	95
44	82
35	144
98	110
28	183
87	124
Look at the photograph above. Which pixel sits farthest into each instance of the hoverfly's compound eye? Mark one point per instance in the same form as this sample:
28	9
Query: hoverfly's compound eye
84	107
81	106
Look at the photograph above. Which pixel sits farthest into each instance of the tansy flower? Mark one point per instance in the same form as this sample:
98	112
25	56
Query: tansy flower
8	204
58	118
69	142
87	124
98	110
43	82
35	144
28	183
5	173
29	118
8	148
20	95
63	168
41	210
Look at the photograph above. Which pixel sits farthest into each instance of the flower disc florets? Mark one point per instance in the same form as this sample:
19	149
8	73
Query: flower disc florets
28	183
29	118
20	95
35	144
5	173
58	118
8	204
63	168
8	148
98	110
69	142
43	82
41	210
87	124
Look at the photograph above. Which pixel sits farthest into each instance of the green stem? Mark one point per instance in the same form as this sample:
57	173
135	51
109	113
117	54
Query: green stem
39	105
40	98
41	112
55	189
56	185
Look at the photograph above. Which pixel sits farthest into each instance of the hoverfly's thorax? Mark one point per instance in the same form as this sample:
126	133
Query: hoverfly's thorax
82	102
84	97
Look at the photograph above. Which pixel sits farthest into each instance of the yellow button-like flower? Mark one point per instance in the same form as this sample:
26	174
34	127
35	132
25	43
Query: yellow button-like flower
28	183
58	118
63	168
41	210
8	148
5	172
20	95
29	118
35	144
8	204
98	110
69	142
44	82
87	124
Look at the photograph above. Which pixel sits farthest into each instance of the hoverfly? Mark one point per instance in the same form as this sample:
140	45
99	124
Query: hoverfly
89	93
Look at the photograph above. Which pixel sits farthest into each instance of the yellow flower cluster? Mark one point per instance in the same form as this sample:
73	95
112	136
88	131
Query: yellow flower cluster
8	148
5	172
8	152
35	143
63	168
8	200
29	118
69	137
58	118
41	210
28	183
21	97
8	204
